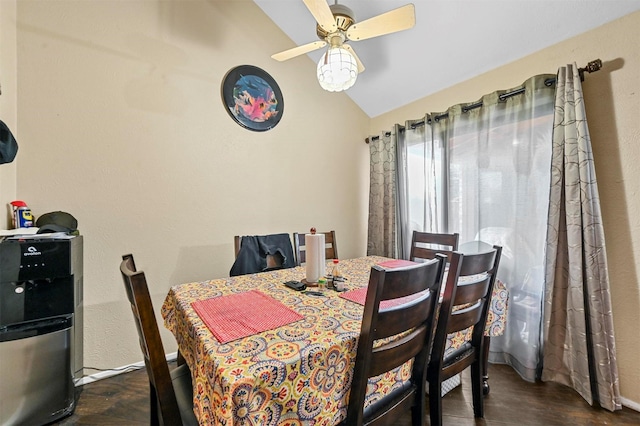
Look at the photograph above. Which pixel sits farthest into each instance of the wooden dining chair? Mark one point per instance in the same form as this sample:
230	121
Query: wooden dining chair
413	317
171	392
330	246
465	303
425	245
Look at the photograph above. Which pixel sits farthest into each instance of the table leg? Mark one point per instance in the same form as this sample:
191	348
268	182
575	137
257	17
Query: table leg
485	366
180	359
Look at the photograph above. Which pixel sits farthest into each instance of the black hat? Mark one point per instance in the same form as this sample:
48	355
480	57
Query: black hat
57	222
8	144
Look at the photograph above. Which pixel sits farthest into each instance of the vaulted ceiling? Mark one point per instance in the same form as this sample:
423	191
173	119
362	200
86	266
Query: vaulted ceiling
452	41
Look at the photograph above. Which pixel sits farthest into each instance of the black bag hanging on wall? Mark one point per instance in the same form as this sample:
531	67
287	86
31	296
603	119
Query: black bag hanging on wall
8	144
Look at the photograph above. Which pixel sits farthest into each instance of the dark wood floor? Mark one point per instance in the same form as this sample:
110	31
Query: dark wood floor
123	400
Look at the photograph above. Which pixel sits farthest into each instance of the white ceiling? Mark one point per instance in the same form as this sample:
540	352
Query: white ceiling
452	41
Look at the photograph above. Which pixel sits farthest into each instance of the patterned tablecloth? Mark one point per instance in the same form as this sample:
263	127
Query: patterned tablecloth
297	374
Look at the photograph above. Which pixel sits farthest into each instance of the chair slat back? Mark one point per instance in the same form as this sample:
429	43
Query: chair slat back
465	318
405	284
413	316
471	288
330	244
403	350
467	293
472	291
162	395
465	303
468	302
425	245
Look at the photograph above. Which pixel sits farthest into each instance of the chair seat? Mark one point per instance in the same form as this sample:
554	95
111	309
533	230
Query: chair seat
455	356
181	380
396	397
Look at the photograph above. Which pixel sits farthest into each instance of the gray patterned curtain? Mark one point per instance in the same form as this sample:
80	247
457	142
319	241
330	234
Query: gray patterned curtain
579	346
382	196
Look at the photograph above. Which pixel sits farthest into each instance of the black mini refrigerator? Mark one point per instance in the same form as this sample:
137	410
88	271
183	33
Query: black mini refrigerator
40	327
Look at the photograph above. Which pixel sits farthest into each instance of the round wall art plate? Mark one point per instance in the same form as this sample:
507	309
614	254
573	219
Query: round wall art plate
252	98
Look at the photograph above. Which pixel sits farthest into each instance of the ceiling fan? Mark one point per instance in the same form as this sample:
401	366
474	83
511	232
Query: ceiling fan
336	26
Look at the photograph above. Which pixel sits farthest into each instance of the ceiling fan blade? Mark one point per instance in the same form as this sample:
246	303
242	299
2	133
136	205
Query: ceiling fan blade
353	52
395	20
322	14
297	51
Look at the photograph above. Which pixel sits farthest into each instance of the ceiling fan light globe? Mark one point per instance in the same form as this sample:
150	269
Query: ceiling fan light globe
337	70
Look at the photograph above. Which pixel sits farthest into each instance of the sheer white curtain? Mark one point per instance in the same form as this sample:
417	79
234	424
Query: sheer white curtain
422	182
483	171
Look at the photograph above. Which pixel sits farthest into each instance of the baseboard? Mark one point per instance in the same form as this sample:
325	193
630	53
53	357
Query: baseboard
630	404
115	371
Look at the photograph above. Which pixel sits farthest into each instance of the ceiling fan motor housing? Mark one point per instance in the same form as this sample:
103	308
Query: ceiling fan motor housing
344	19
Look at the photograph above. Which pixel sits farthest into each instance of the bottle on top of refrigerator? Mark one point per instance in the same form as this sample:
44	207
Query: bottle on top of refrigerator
22	217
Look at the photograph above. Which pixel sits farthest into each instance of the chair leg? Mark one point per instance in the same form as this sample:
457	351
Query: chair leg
153	406
418	414
476	388
418	411
435	403
485	366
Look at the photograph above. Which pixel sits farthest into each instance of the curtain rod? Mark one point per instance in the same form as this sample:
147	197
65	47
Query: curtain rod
592	66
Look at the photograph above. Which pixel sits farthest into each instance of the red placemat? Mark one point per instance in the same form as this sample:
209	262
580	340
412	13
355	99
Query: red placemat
243	314
396	263
359	295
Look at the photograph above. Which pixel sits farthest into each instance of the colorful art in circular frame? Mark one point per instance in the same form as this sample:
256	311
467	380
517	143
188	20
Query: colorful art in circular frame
252	98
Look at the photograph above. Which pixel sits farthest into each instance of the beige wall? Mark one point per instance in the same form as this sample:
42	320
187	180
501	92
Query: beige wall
122	125
612	98
8	98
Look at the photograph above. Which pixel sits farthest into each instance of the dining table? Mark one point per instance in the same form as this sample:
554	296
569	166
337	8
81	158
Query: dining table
261	353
